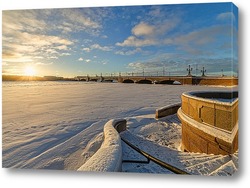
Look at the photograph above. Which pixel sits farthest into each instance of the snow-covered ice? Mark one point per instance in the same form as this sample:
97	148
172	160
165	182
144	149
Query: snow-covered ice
59	125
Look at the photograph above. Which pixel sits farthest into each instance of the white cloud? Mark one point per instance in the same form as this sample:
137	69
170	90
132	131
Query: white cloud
44	64
143	29
80	59
133	41
97	47
65	54
22	20
226	16
198	41
62	47
50	51
32	45
129	52
145	34
79	19
53	57
103	48
167	25
87	60
86	49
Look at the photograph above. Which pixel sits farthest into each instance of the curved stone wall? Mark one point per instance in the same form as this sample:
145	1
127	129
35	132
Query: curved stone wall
109	157
209	122
167	110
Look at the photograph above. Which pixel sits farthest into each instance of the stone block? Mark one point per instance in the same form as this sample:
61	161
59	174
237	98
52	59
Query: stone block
193	108
185	104
207	115
213	148
224	120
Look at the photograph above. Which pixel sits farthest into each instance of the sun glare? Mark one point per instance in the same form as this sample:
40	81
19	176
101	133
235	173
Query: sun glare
29	71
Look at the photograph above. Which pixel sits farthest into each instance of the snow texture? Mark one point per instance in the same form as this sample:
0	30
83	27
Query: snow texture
60	125
109	157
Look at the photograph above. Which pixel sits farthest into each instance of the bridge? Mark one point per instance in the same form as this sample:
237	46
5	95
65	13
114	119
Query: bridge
171	80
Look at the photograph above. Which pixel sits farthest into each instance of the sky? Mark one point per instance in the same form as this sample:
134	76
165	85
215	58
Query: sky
156	39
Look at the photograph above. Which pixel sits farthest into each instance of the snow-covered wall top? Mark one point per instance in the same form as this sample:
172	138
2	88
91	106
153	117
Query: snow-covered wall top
220	97
109	157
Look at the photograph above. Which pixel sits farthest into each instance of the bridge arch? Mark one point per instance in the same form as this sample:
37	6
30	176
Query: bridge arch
128	81
168	82
177	82
93	80
108	80
145	81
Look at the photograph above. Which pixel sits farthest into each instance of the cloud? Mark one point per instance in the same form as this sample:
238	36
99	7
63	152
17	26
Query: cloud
87	60
49	51
44	64
16	57
65	28
133	41
79	18
143	29
203	41
129	52
22	20
62	47
226	16
80	59
160	60
97	47
87	20
86	49
145	34
103	48
33	45
65	54
27	33
53	57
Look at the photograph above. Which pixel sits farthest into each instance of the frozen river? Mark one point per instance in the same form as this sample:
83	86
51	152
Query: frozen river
58	125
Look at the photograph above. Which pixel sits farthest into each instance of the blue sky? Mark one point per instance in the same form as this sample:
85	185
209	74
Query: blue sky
79	41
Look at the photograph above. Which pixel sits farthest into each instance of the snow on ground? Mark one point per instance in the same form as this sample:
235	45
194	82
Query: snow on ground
59	125
162	139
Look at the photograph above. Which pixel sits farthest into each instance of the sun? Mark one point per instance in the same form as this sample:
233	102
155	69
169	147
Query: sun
29	71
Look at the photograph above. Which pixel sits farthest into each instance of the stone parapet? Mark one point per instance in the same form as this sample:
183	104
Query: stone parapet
209	122
167	110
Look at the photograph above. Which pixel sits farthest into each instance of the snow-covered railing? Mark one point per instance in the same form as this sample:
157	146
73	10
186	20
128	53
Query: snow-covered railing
167	110
109	157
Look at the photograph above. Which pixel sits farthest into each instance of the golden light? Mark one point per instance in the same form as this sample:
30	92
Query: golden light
29	71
